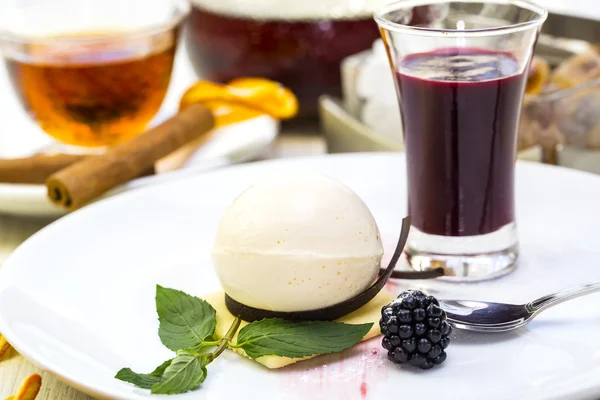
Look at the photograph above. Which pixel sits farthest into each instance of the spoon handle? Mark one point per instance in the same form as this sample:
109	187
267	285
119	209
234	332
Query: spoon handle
556	298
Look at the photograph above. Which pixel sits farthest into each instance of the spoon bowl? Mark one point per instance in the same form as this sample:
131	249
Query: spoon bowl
480	316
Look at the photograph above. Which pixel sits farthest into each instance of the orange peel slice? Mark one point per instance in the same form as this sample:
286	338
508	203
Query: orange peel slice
4	346
242	99
29	388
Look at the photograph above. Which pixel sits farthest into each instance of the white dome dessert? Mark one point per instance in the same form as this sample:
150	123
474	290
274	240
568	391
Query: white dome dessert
297	242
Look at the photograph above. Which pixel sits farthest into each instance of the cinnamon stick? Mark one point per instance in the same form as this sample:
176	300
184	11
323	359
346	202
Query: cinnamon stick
86	180
35	169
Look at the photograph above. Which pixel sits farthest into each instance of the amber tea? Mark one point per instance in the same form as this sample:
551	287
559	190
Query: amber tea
95	90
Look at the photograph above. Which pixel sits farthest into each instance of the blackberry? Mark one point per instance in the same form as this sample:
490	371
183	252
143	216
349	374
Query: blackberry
415	330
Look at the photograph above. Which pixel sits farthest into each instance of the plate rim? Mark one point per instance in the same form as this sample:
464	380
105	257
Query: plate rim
6	270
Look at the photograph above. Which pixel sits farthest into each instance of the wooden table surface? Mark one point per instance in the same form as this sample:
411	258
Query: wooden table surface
14	230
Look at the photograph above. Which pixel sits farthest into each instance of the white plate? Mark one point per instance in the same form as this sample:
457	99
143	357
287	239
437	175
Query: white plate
20	137
78	297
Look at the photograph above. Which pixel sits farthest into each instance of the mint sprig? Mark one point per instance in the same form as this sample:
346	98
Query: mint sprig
186	372
275	336
187	324
143	380
185	321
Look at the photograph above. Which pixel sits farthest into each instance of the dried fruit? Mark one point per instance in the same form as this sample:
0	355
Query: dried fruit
242	98
577	70
29	388
538	75
4	346
577	117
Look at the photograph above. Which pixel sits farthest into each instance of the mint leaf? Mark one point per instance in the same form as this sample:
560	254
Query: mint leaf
143	380
186	372
185	321
140	380
160	370
275	336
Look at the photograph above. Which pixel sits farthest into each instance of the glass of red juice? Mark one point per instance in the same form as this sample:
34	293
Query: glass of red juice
460	78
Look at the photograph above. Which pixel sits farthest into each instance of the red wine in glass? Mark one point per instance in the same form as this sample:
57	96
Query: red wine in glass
460	111
461	77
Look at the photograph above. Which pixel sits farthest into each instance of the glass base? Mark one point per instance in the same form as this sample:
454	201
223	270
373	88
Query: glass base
465	258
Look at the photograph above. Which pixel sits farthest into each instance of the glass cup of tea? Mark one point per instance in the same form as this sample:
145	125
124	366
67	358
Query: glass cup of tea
460	78
91	73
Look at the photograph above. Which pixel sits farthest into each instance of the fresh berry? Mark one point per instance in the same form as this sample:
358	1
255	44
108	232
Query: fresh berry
387	344
409	345
434	335
434	352
398	356
405	331
444	342
409	303
395	341
440	359
415	330
423	346
419	314
434	322
404	316
418	360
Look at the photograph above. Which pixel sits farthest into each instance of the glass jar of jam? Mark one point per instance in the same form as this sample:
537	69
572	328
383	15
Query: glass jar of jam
297	43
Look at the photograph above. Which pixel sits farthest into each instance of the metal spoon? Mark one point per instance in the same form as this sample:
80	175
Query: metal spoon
498	317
